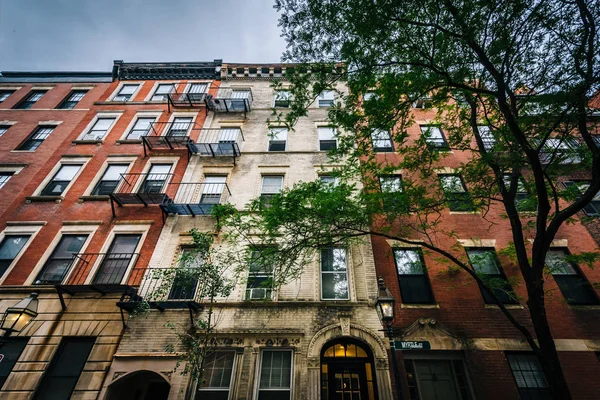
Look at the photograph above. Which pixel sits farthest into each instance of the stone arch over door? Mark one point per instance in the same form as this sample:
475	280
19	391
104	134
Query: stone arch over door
139	385
359	333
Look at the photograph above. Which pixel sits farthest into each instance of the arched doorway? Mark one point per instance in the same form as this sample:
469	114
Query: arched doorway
347	371
139	385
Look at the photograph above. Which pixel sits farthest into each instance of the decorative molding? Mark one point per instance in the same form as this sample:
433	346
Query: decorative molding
345	325
335	331
313	362
382	363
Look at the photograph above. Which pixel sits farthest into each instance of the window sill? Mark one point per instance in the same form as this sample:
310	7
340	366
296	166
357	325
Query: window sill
403	305
464	212
98	142
581	307
129	141
507	306
31	199
22	151
94	198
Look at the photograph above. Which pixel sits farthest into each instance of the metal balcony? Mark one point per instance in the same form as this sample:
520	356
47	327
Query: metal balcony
142	189
219	142
187	100
167	136
230	101
195	198
165	288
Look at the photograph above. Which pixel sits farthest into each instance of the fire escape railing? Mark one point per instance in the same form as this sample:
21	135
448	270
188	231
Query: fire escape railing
230	101
195	198
219	142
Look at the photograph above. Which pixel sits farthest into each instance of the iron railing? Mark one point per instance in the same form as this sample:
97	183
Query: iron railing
195	198
191	100
145	189
169	136
230	101
219	142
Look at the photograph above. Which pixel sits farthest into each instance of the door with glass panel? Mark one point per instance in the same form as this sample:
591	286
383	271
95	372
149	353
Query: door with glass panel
116	261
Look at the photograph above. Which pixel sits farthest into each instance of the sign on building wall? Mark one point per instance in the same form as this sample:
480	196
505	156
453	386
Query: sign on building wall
414	345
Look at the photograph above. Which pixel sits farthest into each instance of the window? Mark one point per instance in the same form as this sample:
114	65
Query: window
110	179
489	141
36	138
579	187
334	274
283	99
523	201
61	180
30	100
457	197
185	281
162	90
382	140
11	350
559	151
326	98
56	267
271	185
529	376
434	137
217	376
260	275
99	129
572	284
63	373
180	126
5	177
157	177
391	193
141	128
328	180
486	265
116	261
370	95
3	129
275	381
436	378
422	103
213	188
72	99
126	92
390	183
277	139
197	91
4	94
327	139
10	248
412	275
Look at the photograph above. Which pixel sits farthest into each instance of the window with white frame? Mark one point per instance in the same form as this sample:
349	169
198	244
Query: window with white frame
162	91
72	99
580	187
282	98
55	269
390	183
275	380
10	248
126	92
100	129
4	94
382	140
278	139
486	265
38	136
240	94
334	274
61	179
32	97
260	274
560	151
5	177
271	185
3	129
329	180
523	200
213	188
180	126
326	98
434	137
197	91
110	179
217	377
327	138
488	139
141	128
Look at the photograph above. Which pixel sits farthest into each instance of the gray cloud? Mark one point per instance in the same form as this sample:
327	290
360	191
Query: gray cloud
89	35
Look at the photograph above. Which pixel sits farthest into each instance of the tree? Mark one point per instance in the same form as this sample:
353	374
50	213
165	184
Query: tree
526	70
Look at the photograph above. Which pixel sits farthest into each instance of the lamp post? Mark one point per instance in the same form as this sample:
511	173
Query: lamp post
17	317
385	310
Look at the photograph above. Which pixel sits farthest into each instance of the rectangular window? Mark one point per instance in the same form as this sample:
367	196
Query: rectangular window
382	140
59	381
559	151
326	98
271	185
529	376
523	201
275	381
56	267
156	179
115	263
10	248
36	138
436	379
457	197
4	94
11	349
412	275
217	377
390	183
142	127
489	141
573	285
370	95
197	91
126	92
260	275
213	188
329	180
391	193
185	281
3	129
580	187
327	139
30	100
162	91
5	177
72	99
180	126
277	139
486	265
422	103
334	274
110	179
282	98
434	137
61	180
240	94
99	129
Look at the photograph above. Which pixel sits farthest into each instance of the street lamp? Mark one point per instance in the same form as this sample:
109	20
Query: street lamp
385	308
17	317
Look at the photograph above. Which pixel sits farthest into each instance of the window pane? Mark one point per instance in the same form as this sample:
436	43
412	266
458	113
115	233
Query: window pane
9	249
452	183
4	177
66	172
278	134
102	124
197	88
333	260
326	133
218	370
408	262
335	286
275	372
483	261
128	89
271	184
114	171
555	260
391	183
164	89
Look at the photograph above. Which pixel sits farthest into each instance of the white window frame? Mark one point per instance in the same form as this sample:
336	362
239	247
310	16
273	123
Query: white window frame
326	95
11	169
174	115
104	168
14	230
65	161
155	88
156	160
274	135
99	115
8	125
275	97
115	93
319	127
231	387
259	368
188	85
347	272
140	114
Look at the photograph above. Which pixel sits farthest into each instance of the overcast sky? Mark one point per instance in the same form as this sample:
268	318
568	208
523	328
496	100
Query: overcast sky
73	35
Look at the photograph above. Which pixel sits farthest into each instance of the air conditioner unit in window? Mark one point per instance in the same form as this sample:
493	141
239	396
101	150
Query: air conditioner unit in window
258	293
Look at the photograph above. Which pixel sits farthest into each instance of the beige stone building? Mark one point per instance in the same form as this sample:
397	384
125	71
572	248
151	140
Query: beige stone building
314	337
